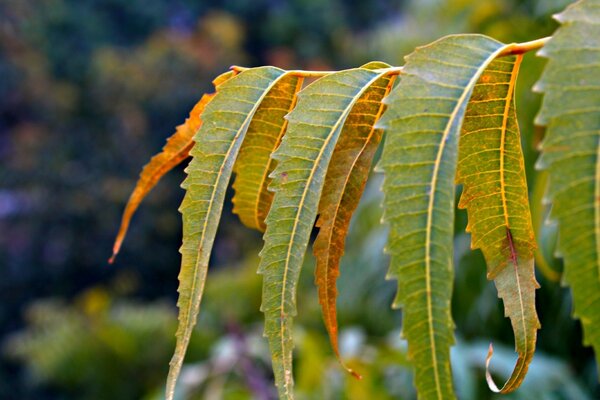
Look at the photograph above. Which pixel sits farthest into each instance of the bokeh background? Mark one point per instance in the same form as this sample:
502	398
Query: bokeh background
89	90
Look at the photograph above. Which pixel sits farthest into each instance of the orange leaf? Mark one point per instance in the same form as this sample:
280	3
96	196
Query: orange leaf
344	183
173	153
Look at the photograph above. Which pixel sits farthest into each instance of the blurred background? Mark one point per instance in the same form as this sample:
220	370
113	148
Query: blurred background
89	90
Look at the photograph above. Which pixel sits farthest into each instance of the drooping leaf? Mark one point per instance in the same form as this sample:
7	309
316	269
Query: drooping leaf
252	200
344	183
303	157
225	122
173	153
492	171
422	123
571	154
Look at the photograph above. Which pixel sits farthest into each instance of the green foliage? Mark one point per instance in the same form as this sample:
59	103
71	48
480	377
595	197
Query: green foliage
571	153
459	87
86	348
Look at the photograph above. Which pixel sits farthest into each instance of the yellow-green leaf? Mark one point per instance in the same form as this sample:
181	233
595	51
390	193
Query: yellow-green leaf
173	153
344	183
571	154
225	122
492	171
303	157
252	200
422	123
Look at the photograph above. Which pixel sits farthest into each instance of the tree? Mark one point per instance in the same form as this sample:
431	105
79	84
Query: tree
302	151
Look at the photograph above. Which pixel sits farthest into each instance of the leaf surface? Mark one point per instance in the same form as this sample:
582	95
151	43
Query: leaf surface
173	153
344	184
492	171
225	122
303	158
422	122
571	154
252	200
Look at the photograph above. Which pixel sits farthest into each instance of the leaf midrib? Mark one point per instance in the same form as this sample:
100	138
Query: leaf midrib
510	100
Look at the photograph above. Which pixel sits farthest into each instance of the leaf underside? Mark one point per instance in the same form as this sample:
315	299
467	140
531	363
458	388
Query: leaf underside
302	154
225	122
492	171
303	157
422	123
344	184
571	154
252	200
173	153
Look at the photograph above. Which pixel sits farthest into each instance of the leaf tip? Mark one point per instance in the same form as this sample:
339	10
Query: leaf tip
488	375
116	249
355	374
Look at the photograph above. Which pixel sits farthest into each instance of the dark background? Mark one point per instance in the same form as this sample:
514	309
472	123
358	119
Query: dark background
90	89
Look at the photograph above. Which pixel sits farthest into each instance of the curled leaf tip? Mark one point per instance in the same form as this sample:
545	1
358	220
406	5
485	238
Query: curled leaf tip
488	376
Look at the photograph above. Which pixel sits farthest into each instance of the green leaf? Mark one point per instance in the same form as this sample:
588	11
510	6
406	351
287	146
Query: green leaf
571	153
173	153
344	184
422	123
492	171
225	122
303	157
252	200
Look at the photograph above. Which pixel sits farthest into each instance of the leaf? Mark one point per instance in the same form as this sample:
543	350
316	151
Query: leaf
422	123
225	122
571	154
492	171
344	184
173	153
252	200
303	157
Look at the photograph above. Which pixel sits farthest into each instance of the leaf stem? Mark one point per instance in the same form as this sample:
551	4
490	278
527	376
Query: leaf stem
392	71
510	50
522	48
